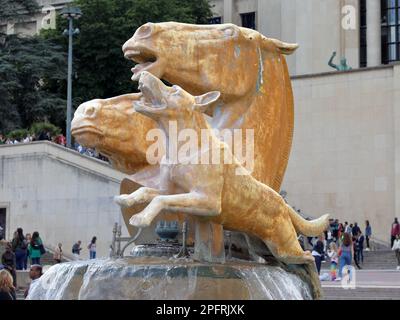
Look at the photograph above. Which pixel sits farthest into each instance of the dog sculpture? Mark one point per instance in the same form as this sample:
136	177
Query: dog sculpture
214	191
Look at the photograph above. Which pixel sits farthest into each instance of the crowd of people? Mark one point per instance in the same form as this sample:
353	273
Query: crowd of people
341	244
43	136
24	249
58	139
344	243
24	252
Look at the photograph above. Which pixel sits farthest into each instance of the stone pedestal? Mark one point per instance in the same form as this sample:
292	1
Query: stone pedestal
209	242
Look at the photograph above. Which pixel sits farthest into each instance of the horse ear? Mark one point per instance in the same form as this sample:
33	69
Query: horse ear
282	47
203	102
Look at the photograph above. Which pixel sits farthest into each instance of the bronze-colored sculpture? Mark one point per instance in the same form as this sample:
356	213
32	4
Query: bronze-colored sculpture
247	68
114	129
239	78
190	56
214	191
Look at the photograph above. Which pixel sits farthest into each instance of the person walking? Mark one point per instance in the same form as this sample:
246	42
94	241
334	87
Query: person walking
7	288
355	253
36	248
355	230
28	238
8	261
395	231
335	230
333	255
76	249
368	234
396	249
340	234
92	248
360	247
318	253
345	254
347	228
19	246
58	253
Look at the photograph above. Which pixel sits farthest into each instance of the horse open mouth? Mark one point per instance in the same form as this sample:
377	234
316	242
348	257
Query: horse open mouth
146	60
86	129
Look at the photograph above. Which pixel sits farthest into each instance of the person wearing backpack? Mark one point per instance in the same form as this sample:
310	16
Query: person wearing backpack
19	247
92	248
36	249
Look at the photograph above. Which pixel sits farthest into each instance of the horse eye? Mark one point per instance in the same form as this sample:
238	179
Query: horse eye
229	32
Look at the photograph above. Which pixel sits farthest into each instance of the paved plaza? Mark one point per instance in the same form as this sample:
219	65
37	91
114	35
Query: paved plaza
370	284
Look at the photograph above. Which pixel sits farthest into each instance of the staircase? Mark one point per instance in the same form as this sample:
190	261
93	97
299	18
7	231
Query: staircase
379	260
373	260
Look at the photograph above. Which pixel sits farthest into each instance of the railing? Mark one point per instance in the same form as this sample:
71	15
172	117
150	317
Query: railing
116	250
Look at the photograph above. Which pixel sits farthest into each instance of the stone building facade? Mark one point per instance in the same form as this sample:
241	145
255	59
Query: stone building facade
346	150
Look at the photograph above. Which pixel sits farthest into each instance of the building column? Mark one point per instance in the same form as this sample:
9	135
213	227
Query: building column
228	11
373	33
396	126
269	17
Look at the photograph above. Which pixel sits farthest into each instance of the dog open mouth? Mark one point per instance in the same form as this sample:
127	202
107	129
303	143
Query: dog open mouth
152	93
145	59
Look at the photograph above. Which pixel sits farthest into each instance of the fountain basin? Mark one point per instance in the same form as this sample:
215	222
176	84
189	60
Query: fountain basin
162	278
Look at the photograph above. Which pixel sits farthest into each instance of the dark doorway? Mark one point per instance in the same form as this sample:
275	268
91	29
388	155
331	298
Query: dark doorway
2	223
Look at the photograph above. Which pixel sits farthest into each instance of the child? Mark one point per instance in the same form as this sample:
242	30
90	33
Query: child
333	255
396	249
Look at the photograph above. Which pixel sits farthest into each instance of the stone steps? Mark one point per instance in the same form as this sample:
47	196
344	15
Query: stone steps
361	294
375	260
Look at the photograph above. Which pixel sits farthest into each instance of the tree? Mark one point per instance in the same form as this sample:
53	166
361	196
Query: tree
32	82
99	64
17	9
33	70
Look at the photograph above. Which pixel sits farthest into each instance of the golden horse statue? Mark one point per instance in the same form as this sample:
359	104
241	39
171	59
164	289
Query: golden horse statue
247	68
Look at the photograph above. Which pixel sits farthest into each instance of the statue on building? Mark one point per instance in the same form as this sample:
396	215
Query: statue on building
343	63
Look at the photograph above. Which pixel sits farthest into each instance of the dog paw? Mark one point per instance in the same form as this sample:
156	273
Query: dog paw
139	221
122	200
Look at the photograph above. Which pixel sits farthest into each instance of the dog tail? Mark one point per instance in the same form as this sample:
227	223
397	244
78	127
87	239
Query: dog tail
307	228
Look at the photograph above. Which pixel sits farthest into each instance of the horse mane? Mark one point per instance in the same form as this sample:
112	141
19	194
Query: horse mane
272	113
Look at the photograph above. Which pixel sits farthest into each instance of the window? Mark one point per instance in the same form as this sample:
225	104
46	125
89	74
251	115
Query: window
215	20
363	33
390	23
248	20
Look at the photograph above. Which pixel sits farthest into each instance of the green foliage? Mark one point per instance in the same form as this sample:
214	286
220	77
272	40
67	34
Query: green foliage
99	64
32	82
18	134
33	70
39	127
17	9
